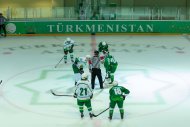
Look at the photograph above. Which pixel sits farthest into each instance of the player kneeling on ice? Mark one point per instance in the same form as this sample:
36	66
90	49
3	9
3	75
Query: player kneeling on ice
103	47
110	65
117	96
77	69
84	94
68	47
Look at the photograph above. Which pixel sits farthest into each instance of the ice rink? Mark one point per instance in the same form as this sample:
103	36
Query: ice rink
156	69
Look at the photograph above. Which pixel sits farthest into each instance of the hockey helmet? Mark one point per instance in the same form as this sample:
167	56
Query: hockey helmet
68	39
84	76
115	83
104	43
88	57
81	66
96	52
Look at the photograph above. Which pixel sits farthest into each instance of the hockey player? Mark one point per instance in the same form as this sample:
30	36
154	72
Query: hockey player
84	94
77	69
110	65
117	96
68	47
103	47
2	24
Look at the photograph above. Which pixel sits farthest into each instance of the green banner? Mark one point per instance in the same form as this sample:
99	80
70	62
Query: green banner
105	26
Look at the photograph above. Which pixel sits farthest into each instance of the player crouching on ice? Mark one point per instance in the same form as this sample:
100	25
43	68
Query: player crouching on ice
84	94
77	69
110	65
117	96
68	47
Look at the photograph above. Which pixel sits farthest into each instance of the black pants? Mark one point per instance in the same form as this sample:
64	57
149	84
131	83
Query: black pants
96	72
3	27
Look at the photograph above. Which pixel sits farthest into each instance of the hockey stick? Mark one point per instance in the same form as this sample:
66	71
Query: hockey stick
59	62
101	112
60	94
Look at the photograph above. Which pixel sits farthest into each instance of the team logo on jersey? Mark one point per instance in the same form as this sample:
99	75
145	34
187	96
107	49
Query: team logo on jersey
11	28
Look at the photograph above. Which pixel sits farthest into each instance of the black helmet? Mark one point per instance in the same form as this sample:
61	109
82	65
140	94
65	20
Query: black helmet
96	52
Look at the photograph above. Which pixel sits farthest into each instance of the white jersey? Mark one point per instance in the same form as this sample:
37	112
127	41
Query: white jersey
68	44
83	91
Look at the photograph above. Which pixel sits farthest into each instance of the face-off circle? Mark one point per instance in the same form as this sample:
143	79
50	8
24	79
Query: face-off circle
152	91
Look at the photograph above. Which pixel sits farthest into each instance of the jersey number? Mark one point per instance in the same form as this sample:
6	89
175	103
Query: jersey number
83	91
112	60
117	91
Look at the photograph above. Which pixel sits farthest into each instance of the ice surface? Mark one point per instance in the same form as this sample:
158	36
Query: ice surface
154	68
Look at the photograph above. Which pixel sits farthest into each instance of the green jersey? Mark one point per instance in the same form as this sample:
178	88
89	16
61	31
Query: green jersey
110	63
76	69
102	47
79	64
116	93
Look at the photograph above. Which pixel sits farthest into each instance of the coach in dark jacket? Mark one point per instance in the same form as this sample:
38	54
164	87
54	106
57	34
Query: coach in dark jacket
2	24
95	69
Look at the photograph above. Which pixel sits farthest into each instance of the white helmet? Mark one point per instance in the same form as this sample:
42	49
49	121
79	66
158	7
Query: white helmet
103	43
84	76
115	83
68	39
88	57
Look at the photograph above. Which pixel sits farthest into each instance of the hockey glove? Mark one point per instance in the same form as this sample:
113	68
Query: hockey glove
81	71
123	97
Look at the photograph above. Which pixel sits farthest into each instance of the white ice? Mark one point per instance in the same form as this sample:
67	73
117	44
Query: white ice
154	68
